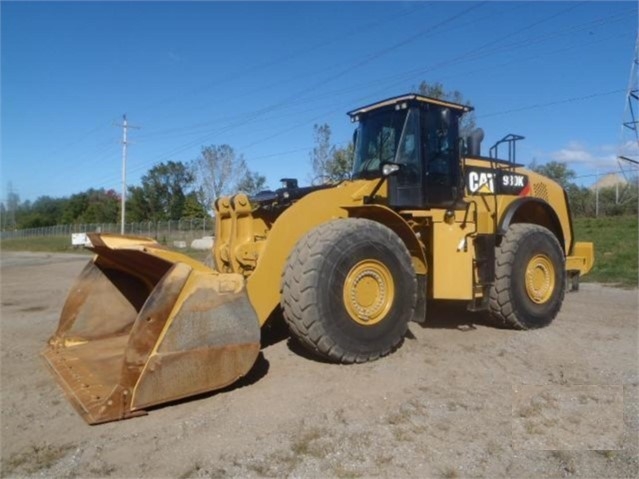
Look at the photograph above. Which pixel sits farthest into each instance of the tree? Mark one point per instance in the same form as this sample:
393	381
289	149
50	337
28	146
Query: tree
322	152
13	201
192	207
556	171
330	163
3	217
581	199
341	165
92	206
162	195
218	170
436	90
252	183
103	207
44	211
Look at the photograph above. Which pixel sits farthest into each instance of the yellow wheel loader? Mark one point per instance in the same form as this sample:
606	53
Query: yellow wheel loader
424	217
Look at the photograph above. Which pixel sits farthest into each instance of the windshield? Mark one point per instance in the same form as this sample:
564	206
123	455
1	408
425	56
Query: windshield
377	138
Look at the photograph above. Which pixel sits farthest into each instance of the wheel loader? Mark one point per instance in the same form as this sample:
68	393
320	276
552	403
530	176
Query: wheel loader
425	216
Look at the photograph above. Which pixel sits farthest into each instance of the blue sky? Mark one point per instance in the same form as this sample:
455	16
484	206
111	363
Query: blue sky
258	76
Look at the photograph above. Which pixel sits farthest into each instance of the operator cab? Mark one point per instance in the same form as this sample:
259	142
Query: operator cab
421	135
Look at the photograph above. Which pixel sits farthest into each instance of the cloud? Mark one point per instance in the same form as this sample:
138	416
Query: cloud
603	156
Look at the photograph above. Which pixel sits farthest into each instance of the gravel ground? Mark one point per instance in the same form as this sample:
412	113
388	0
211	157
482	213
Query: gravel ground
458	399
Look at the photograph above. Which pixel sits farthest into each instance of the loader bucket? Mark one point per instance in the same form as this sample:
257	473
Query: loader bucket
144	325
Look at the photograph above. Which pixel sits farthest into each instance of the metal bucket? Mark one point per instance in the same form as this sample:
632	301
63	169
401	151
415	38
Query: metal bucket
144	325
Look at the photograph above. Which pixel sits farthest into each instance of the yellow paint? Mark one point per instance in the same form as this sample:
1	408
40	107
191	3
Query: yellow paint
263	284
452	269
582	258
397	100
540	278
369	292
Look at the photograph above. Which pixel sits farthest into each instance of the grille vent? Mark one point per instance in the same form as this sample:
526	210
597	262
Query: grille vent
541	191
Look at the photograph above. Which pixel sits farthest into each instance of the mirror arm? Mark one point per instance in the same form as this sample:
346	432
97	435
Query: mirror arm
369	198
394	168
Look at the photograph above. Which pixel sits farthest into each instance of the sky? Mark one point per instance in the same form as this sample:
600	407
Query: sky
258	75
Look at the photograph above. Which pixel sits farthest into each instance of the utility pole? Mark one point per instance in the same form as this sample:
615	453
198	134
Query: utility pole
597	195
12	205
125	127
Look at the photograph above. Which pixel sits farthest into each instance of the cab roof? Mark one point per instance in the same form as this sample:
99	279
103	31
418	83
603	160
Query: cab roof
409	98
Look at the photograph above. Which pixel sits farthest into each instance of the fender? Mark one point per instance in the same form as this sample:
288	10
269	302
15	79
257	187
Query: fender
395	222
532	210
263	284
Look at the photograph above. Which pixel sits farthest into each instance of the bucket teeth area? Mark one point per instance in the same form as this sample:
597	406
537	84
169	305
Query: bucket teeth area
130	337
90	374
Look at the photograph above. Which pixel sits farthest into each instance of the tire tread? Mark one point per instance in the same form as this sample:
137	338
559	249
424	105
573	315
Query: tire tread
501	300
298	299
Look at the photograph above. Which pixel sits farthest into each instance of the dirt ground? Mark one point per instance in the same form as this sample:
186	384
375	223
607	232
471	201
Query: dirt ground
458	399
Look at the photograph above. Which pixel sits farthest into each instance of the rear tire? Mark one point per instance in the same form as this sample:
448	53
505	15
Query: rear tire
530	278
349	290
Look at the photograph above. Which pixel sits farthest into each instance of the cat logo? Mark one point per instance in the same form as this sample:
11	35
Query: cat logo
481	182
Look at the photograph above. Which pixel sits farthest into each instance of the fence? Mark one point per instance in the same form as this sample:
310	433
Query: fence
186	229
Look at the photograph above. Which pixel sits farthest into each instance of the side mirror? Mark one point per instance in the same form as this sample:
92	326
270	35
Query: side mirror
389	169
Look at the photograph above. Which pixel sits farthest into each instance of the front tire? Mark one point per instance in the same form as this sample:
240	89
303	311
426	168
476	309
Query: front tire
349	290
530	278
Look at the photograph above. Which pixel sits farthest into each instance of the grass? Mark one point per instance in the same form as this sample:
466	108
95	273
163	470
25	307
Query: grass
615	238
50	244
616	248
62	244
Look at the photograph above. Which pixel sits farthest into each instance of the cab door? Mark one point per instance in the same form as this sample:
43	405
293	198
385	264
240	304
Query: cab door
440	150
406	187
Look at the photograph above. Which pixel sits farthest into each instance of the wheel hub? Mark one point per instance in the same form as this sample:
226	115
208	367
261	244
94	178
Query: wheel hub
540	279
369	291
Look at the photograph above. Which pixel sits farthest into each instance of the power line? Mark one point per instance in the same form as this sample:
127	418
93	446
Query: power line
255	116
552	103
295	54
429	29
278	105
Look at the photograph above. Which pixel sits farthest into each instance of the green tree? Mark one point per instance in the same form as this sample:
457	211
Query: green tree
192	207
3	217
103	207
44	211
618	200
556	171
581	199
328	162
162	195
341	165
436	90
92	206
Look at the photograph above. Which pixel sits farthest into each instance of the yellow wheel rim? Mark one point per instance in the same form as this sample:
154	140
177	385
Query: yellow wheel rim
540	278
369	292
